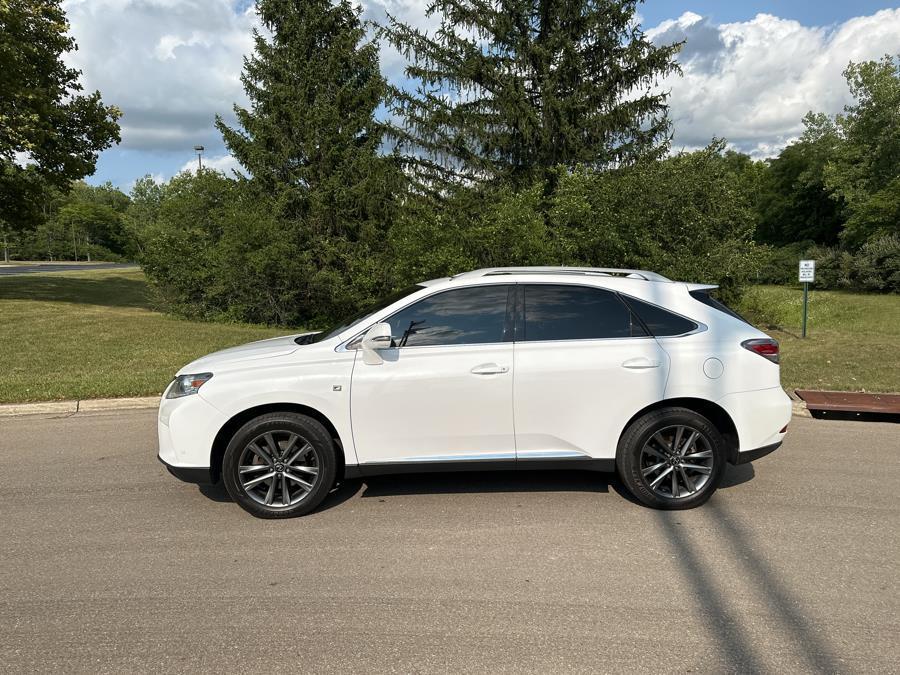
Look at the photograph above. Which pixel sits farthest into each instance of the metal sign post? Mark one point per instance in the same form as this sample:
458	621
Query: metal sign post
807	276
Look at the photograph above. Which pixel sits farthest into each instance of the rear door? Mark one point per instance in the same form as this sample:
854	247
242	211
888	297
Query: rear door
584	364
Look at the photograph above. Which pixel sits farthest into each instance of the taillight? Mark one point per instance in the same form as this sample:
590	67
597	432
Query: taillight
765	347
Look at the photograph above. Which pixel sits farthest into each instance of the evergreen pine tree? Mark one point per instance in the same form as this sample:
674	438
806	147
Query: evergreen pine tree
509	89
310	143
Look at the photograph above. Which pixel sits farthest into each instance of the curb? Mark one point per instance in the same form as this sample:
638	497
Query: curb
798	407
73	407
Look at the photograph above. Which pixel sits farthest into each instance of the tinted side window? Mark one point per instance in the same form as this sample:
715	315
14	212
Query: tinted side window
659	321
463	316
576	313
715	303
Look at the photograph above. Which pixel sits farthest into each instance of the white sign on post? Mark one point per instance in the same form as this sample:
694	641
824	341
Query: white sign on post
807	271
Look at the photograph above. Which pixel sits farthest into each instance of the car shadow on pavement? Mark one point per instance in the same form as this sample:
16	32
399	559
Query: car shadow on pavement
471	482
467	482
737	474
216	493
338	495
464	482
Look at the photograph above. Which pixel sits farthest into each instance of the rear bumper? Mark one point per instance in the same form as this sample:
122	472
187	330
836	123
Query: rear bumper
759	418
189	474
753	455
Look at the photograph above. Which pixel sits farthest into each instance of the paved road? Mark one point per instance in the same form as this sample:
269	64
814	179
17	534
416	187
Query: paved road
73	267
108	564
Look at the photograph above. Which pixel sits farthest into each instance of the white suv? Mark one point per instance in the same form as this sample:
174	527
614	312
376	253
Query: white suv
525	368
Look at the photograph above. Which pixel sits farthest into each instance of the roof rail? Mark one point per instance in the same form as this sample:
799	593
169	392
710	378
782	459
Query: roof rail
594	271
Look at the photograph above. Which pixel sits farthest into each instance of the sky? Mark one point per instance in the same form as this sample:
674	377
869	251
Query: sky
751	69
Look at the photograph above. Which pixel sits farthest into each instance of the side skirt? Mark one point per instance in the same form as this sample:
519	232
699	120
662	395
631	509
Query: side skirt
387	468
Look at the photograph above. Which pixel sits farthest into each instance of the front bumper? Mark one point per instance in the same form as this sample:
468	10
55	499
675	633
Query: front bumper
189	474
186	429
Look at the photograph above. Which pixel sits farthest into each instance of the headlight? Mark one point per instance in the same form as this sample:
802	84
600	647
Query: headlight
185	385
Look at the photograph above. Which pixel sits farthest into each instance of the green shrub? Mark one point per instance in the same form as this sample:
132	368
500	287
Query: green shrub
215	249
877	265
687	217
779	263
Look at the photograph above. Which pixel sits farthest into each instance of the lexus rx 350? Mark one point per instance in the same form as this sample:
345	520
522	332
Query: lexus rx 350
524	368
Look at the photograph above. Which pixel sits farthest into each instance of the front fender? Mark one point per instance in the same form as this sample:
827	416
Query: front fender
326	392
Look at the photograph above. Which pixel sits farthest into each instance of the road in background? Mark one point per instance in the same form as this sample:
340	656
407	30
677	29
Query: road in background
109	564
41	268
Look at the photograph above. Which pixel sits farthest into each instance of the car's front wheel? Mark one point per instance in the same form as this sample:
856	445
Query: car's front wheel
673	458
280	465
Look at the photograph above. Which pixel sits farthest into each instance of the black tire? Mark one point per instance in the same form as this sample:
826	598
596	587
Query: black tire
634	459
280	428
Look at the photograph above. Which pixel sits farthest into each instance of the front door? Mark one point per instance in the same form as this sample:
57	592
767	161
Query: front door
444	390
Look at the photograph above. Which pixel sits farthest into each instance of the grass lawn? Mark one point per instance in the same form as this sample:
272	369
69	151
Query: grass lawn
852	343
93	334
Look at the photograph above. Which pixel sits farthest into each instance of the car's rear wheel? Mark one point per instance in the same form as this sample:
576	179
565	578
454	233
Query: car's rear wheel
672	458
280	465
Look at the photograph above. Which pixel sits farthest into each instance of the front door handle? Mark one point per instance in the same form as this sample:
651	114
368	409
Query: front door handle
489	369
640	363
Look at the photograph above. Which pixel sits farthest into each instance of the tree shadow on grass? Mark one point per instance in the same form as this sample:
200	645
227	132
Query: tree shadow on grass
106	290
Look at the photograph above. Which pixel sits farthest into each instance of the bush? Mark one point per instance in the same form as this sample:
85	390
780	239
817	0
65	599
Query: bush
216	249
779	263
687	217
467	230
834	267
875	267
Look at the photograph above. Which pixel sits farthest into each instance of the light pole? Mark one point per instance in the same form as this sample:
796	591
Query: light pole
199	150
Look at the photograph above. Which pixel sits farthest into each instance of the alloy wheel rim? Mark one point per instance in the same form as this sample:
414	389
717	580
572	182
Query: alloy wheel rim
677	461
278	469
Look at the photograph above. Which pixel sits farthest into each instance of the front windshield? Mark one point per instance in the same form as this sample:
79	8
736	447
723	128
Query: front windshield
359	317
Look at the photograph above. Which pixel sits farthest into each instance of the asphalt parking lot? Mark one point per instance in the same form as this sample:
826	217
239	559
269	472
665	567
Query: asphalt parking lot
109	564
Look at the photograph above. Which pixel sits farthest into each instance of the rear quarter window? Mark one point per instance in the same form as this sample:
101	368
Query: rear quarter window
710	301
660	322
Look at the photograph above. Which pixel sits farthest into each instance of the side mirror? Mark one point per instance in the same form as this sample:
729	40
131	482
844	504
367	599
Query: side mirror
376	338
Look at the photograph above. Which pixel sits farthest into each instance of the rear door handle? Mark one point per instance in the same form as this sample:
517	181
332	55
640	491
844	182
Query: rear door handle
640	363
489	369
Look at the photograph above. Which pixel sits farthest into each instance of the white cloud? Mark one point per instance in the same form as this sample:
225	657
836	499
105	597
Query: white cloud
224	163
170	65
752	82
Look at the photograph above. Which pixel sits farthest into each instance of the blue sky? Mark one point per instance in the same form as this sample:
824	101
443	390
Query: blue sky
752	69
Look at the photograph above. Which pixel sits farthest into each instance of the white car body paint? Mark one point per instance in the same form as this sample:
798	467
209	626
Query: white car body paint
506	400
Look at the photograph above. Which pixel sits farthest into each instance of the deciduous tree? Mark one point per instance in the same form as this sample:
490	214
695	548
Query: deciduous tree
865	171
44	119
